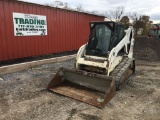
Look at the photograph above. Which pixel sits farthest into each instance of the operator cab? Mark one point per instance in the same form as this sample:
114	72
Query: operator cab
103	37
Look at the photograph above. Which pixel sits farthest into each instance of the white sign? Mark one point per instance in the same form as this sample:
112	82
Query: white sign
29	24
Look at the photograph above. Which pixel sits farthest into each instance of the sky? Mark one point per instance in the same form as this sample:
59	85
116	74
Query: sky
142	7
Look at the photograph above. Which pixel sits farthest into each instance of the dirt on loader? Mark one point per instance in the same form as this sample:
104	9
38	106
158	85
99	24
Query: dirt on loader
23	96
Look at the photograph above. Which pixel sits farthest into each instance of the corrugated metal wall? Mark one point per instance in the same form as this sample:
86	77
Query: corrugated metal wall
67	30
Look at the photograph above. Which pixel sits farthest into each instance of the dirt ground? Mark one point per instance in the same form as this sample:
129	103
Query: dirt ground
147	49
23	96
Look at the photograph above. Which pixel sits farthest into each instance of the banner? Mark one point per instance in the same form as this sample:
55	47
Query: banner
29	24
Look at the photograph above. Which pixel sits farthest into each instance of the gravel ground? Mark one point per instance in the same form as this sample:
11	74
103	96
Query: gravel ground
23	96
147	49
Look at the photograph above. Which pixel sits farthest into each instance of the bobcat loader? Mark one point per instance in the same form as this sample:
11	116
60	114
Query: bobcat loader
102	66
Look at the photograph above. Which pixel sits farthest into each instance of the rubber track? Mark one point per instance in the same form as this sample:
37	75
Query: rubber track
120	70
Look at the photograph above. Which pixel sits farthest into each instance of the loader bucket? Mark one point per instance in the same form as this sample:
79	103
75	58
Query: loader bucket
94	89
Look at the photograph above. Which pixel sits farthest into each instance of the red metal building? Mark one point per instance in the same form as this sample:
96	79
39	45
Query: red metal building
66	30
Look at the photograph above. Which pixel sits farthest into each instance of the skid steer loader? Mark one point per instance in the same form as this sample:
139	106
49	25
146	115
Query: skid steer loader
102	66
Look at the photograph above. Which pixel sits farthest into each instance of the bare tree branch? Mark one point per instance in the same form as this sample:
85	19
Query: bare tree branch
80	8
115	14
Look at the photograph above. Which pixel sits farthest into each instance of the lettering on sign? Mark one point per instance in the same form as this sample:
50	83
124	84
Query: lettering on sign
29	24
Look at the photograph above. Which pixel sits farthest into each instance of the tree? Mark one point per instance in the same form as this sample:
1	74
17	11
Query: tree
146	24
94	12
134	18
59	4
80	8
65	5
125	20
141	21
115	14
